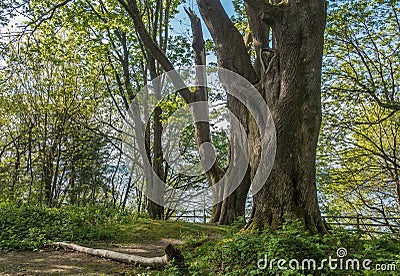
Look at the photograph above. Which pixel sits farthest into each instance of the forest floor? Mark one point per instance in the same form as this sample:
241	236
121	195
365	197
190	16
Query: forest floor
67	262
150	242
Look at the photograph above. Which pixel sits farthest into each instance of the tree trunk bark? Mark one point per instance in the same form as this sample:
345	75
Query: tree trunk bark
288	77
291	86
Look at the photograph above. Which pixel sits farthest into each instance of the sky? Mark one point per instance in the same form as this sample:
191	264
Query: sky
181	22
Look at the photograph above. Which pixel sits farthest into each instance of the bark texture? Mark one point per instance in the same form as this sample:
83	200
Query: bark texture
288	77
291	85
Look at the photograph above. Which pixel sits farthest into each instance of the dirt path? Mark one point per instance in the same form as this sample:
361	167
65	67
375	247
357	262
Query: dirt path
61	262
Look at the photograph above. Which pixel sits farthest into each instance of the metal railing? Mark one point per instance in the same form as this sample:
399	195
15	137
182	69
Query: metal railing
202	216
371	224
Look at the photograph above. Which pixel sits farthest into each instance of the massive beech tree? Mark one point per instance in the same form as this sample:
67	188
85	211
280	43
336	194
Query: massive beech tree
290	82
288	41
287	38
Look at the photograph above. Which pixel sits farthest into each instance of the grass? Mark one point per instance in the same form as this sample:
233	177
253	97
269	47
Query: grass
145	229
208	249
31	227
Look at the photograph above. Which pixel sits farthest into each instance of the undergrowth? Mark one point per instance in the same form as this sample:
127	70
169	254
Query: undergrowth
28	227
251	253
208	249
31	227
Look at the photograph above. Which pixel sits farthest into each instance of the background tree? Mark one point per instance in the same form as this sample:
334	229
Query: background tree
124	68
359	148
44	97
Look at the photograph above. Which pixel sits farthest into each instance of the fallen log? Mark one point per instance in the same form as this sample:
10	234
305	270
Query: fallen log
172	254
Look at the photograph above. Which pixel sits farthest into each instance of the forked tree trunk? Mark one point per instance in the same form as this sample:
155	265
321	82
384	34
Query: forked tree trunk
290	83
288	76
230	208
232	55
291	86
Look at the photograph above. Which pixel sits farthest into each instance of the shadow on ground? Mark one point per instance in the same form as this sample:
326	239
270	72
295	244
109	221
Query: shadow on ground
66	262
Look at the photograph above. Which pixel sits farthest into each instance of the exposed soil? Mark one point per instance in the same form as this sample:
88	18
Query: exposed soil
66	262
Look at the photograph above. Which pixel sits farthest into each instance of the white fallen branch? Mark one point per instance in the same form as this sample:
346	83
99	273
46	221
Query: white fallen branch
171	253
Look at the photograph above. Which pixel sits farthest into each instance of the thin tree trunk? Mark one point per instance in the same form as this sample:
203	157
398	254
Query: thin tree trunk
232	55
17	164
127	192
154	209
71	185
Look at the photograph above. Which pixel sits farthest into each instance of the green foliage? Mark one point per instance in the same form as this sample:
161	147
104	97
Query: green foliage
239	254
179	51
30	227
239	16
48	100
63	97
358	156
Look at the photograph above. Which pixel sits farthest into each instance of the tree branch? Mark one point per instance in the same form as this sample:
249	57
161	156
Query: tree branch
231	50
202	128
271	14
155	50
260	32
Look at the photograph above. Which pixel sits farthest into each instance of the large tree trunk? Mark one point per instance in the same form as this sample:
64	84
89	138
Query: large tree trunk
291	86
290	76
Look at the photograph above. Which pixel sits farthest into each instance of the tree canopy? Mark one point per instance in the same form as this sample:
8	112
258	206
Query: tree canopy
71	71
